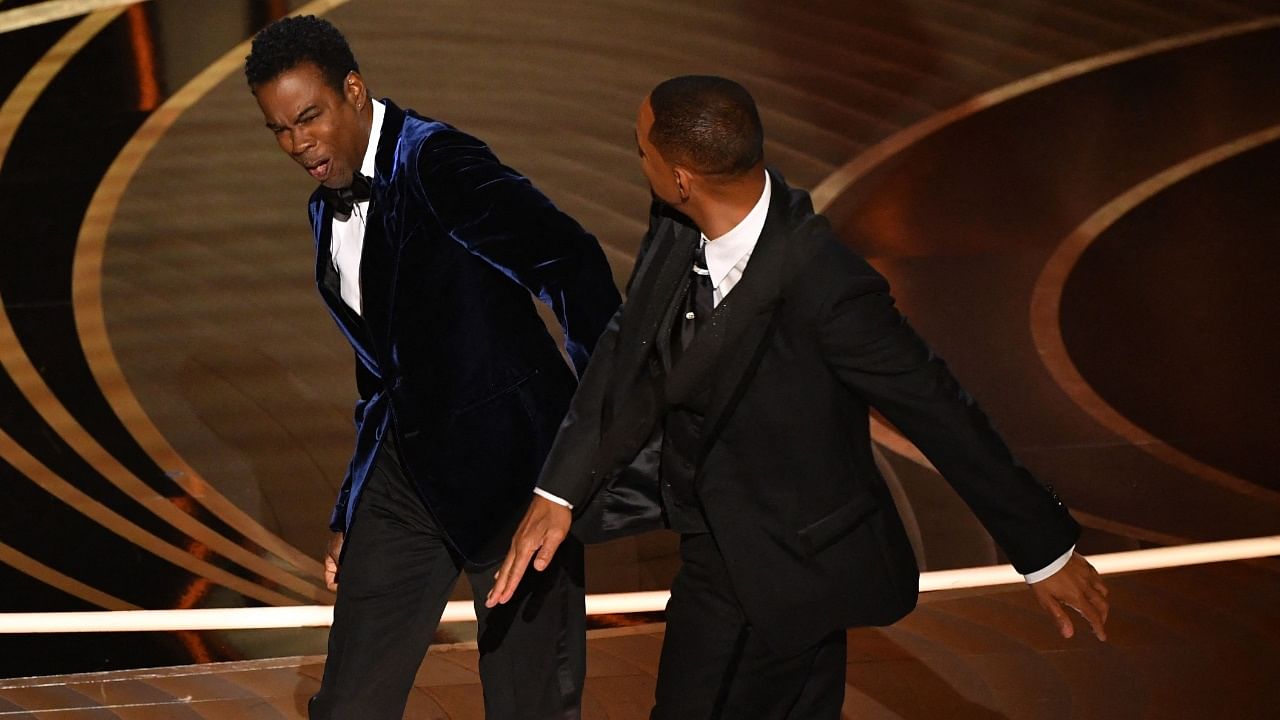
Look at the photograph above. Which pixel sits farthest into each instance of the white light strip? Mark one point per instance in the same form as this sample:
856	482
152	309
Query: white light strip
47	12
613	604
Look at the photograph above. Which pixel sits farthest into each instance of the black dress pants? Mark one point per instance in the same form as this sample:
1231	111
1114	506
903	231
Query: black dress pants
714	667
396	576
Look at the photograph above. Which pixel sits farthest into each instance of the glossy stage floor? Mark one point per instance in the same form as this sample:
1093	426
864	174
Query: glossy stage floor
1076	202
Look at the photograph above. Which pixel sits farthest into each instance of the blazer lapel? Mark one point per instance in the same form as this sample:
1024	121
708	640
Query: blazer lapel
672	255
634	399
653	297
378	253
715	357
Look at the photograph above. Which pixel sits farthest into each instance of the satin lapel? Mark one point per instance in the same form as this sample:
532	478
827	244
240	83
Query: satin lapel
738	324
379	253
327	282
636	397
673	256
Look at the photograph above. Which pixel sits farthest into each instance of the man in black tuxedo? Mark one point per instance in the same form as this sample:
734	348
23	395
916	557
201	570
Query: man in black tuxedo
427	252
728	400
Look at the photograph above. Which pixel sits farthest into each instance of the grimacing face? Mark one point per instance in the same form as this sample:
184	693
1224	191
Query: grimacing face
317	126
657	171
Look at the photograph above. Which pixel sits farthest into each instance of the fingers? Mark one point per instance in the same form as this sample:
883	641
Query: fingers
1078	587
510	574
331	574
544	527
331	555
1060	617
550	543
1094	607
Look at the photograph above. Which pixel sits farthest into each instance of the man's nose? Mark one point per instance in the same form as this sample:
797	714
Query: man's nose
300	142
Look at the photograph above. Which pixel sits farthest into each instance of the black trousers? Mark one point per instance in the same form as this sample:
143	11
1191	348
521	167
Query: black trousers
714	666
396	576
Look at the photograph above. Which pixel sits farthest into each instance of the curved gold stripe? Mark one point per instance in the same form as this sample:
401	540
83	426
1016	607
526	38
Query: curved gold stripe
24	462
1046	301
54	10
28	565
14	359
838	182
11	113
91	320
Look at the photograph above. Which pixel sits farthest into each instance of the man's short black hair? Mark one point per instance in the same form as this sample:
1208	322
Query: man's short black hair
292	41
709	123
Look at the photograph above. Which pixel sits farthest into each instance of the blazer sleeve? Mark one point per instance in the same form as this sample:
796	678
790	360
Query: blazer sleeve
876	354
498	215
567	472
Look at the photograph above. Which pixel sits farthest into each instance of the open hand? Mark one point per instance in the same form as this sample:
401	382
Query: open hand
1078	586
544	527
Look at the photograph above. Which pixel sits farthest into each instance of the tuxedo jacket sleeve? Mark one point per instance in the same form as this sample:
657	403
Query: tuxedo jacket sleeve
570	471
872	349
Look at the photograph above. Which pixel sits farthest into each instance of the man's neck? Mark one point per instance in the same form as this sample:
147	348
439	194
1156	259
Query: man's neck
366	124
723	206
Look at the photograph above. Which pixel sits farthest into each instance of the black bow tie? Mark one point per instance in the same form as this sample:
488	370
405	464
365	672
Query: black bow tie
344	199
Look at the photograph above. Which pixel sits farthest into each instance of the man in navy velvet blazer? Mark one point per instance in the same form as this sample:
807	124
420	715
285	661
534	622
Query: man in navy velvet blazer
427	252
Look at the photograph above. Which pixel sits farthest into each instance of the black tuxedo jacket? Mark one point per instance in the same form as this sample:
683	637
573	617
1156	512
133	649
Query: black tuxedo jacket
795	354
452	358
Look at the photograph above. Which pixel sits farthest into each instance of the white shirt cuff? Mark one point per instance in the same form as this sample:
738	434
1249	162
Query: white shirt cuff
1048	570
555	499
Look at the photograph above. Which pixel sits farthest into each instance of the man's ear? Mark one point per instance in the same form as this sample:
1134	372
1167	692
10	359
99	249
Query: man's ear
353	87
684	181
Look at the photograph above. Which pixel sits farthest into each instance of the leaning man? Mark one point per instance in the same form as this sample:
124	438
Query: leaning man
427	251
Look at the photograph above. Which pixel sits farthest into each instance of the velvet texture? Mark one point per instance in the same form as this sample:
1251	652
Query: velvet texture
451	355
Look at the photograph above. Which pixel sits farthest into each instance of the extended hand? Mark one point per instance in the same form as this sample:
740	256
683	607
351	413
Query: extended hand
331	561
1078	586
544	527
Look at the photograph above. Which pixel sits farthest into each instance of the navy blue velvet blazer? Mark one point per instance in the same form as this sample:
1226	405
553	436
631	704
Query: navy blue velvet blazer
452	358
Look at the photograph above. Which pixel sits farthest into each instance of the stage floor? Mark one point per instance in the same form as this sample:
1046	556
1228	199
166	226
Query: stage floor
1186	644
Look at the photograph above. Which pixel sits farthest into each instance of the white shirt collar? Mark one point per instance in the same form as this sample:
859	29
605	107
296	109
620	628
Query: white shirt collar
725	251
375	134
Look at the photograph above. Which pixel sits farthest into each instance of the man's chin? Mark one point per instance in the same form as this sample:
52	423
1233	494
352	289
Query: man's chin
334	182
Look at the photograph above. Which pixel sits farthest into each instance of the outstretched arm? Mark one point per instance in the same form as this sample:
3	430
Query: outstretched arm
566	476
873	350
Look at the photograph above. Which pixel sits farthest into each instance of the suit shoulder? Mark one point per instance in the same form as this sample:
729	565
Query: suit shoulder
424	137
829	266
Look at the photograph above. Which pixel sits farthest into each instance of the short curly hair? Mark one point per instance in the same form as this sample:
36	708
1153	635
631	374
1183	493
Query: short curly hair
292	41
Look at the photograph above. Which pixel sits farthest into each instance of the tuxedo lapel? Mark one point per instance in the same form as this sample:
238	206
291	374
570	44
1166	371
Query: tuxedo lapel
378	254
633	402
651	296
715	357
656	293
327	280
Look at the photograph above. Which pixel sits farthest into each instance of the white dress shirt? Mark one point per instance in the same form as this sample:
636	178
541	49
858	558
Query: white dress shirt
347	240
727	258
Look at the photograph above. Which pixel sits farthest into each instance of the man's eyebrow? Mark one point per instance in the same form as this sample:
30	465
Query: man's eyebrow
304	111
273	126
